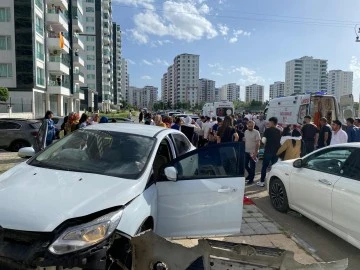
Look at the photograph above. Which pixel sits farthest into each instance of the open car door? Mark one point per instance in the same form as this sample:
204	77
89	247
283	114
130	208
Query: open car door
346	107
40	141
201	193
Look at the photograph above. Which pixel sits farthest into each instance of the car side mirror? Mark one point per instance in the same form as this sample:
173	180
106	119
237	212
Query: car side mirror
298	163
170	173
26	152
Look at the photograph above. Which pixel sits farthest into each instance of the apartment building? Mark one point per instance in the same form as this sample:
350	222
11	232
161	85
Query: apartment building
164	88
340	83
304	75
125	80
143	97
254	92
277	89
37	63
217	94
230	92
117	63
207	90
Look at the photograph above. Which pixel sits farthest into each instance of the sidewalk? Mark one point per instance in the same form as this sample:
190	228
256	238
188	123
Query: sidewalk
259	230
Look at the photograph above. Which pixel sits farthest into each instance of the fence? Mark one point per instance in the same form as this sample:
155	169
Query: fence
18	105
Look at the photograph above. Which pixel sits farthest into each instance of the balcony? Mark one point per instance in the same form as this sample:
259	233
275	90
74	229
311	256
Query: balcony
58	65
77	25
63	4
106	30
106	4
106	40
58	88
54	43
78	61
77	43
78	4
57	20
106	66
106	55
79	77
78	94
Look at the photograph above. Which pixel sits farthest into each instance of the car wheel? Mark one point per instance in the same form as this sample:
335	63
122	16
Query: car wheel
17	145
278	195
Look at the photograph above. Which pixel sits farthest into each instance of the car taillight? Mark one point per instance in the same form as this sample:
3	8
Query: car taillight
34	133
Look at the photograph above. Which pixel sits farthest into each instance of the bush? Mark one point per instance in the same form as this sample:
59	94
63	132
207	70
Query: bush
4	94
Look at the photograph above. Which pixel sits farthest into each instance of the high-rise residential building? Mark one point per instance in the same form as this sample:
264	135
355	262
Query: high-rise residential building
305	74
230	92
182	80
207	90
276	90
117	63
254	92
42	62
164	88
104	48
143	97
125	80
217	94
340	83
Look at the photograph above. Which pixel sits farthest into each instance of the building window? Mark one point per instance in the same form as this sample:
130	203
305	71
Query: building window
90	57
6	70
90	9
39	4
90	38
90	76
90	48
90	19
5	42
90	67
39	26
40	77
90	1
40	51
4	14
90	29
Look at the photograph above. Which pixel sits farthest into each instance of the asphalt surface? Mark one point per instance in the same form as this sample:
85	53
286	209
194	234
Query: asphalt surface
316	239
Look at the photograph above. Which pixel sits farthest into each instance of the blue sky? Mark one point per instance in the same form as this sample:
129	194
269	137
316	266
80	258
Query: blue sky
238	41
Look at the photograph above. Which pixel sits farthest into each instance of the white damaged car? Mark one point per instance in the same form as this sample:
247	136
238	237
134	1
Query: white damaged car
78	202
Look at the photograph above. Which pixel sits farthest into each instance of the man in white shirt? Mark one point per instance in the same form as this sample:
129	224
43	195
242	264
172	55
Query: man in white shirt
261	124
206	128
338	135
252	144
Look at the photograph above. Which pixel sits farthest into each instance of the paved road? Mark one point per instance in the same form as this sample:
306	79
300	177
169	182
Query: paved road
318	240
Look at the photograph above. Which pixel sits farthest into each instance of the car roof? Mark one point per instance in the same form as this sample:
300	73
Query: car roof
131	128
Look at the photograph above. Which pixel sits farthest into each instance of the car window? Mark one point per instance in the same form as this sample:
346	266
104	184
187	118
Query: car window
163	156
9	125
182	144
212	162
329	160
351	167
35	125
99	152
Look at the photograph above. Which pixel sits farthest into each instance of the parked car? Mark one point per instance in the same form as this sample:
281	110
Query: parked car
323	186
17	133
121	119
84	197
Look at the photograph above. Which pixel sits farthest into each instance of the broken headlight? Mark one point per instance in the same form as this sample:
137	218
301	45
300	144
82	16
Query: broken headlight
86	235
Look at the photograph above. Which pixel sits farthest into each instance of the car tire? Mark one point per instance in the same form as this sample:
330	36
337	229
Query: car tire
17	145
278	195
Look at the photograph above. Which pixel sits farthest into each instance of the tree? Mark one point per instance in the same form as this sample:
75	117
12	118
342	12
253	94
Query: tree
4	94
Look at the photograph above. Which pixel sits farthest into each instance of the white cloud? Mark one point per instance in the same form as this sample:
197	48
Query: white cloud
146	77
161	62
137	3
223	29
180	19
131	61
355	67
248	75
146	62
233	39
217	74
218	66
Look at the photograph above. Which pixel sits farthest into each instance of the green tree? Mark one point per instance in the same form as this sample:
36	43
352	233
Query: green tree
4	94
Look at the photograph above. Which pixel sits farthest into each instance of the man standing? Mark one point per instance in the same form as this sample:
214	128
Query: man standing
352	131
271	139
357	122
310	134
338	135
261	124
324	133
141	116
252	144
207	125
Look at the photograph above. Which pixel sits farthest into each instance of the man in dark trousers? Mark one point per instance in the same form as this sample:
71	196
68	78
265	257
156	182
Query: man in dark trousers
271	139
141	116
324	133
310	134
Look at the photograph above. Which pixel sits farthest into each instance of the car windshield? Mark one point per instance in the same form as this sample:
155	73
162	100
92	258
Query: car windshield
100	152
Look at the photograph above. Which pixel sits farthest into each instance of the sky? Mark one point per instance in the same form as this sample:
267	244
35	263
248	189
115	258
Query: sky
238	41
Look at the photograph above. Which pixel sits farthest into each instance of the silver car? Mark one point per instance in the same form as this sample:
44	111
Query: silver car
18	133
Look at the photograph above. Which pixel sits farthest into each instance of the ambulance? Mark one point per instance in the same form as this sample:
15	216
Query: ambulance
291	110
218	109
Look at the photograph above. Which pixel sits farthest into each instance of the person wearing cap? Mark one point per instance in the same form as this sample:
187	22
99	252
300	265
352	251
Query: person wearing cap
338	135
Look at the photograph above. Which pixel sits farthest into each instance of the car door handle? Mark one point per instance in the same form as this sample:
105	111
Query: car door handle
326	182
226	190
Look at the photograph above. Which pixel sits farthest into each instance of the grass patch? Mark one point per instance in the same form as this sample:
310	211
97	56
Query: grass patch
116	115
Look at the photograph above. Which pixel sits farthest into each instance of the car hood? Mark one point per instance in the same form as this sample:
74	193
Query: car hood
39	199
